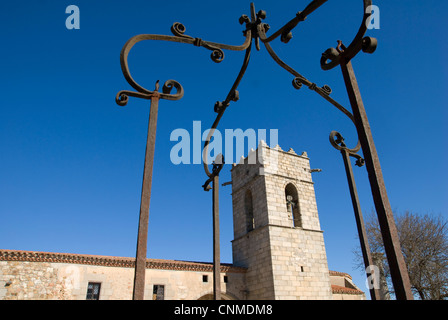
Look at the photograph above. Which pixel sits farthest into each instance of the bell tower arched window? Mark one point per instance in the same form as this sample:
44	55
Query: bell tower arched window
292	205
249	210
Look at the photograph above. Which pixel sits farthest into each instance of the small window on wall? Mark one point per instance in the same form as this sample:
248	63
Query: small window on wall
158	292
93	291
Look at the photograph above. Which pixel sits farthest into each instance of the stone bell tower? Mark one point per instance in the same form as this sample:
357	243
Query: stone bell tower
277	234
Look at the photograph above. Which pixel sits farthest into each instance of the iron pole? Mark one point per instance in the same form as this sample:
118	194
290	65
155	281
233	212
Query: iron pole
142	238
216	249
365	249
399	273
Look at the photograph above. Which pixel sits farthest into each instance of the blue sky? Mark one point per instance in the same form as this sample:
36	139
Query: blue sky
72	160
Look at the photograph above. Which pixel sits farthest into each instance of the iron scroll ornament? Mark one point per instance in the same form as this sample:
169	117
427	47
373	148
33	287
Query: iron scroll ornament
332	57
217	56
178	30
259	30
338	142
300	80
255	30
366	44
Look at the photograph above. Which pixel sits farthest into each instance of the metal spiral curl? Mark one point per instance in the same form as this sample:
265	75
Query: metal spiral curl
298	82
178	29
122	97
168	87
217	55
338	142
326	89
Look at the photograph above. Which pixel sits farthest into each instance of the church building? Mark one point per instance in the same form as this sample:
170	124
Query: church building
278	250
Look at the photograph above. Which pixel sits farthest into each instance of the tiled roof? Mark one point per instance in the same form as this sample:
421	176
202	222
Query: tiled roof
110	261
345	290
340	274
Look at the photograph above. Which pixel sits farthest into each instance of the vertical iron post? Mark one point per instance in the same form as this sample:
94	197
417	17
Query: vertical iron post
399	273
218	164
365	249
216	246
142	237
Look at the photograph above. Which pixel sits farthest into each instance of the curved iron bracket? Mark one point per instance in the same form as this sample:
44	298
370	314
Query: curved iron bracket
217	56
255	30
285	31
332	57
218	164
233	95
299	79
337	141
178	30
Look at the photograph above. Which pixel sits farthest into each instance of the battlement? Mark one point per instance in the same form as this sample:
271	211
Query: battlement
256	156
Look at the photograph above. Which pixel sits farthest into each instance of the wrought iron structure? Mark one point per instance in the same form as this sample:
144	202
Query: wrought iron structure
255	33
337	141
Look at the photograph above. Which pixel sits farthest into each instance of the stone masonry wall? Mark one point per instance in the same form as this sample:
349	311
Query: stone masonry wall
291	261
44	280
31	280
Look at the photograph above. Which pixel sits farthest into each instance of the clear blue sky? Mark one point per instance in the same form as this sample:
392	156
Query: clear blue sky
72	160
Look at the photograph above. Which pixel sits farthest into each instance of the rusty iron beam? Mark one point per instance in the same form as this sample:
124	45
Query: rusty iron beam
399	273
216	243
338	142
142	237
365	248
121	99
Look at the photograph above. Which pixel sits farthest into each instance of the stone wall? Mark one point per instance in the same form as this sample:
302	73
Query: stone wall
41	279
283	261
31	280
27	275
